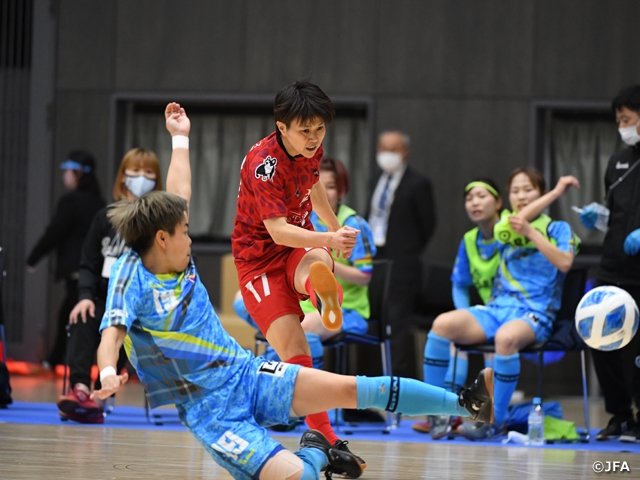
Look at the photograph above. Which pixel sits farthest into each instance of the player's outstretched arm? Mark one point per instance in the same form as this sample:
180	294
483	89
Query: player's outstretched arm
284	233
110	343
535	208
179	174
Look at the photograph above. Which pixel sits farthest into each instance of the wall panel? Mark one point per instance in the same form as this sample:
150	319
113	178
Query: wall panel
460	48
586	49
85	50
334	41
168	45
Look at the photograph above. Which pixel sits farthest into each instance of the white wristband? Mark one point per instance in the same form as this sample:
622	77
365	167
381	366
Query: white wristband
107	372
180	141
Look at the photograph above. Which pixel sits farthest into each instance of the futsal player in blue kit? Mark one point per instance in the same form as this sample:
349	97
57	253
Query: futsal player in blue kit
160	309
526	294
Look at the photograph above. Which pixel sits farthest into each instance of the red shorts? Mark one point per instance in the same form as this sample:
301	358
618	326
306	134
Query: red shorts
268	289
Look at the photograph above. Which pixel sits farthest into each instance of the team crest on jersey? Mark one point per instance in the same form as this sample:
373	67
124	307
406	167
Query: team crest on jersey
267	169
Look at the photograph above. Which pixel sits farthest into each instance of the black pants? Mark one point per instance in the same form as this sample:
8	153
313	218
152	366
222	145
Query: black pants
83	343
619	370
56	357
403	295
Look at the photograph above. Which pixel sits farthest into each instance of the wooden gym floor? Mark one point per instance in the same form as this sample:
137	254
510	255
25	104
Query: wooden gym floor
73	452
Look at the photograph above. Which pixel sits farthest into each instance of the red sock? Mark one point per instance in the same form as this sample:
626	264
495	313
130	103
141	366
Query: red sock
317	421
312	294
309	288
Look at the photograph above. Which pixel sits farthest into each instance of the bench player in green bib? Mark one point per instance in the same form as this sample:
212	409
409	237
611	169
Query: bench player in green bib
476	264
534	257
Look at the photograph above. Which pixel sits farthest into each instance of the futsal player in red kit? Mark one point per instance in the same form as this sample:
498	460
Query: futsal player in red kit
280	259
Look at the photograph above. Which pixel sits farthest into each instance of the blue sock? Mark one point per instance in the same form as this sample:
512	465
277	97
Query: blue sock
241	311
462	367
436	359
317	350
313	460
406	396
506	371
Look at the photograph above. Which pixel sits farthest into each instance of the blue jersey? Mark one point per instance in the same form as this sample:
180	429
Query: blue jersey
175	340
461	275
527	279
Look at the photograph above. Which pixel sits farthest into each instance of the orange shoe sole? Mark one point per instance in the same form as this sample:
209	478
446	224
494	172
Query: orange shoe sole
325	285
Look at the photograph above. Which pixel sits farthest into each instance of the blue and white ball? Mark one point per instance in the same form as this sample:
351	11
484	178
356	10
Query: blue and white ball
607	318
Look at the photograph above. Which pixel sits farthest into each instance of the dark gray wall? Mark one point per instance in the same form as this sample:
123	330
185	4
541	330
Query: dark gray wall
459	76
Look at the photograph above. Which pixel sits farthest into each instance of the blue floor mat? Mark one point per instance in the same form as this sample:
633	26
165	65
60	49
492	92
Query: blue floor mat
134	417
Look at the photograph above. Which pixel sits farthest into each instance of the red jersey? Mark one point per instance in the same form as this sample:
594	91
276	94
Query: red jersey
272	184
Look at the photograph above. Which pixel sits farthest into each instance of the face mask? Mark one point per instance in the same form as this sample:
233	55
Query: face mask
390	162
139	185
630	134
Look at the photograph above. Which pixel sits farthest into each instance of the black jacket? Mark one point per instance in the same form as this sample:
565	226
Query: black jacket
616	267
102	244
66	232
412	219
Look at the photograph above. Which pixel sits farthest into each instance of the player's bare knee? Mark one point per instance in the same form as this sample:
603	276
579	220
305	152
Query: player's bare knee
318	255
283	465
507	343
442	326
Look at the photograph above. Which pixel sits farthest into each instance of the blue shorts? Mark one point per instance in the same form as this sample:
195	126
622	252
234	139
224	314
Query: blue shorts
353	322
230	423
492	317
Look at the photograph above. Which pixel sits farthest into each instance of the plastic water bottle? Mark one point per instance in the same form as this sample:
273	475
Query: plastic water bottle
536	423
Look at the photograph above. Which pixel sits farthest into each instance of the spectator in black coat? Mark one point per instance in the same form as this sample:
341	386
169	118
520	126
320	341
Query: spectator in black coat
402	217
65	234
139	173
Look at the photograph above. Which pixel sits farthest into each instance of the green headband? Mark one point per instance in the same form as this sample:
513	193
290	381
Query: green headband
483	185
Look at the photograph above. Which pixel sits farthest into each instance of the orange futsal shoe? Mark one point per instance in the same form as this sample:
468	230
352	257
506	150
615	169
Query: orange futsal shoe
327	290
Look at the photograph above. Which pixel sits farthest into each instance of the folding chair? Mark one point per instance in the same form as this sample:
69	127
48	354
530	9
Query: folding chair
564	338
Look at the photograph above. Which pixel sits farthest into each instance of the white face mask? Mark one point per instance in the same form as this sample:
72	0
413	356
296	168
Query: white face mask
630	134
139	185
390	162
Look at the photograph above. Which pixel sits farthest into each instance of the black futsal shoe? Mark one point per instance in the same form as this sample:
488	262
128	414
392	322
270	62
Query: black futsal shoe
342	445
478	398
341	462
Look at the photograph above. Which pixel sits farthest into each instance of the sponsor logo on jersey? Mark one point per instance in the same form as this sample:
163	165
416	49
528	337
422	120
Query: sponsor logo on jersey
116	313
276	369
267	169
622	165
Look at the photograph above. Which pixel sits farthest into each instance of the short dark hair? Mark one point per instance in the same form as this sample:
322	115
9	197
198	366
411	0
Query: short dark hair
537	180
302	100
139	221
627	97
335	166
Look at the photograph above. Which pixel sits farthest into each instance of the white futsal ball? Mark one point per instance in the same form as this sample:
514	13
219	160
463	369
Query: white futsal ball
607	318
